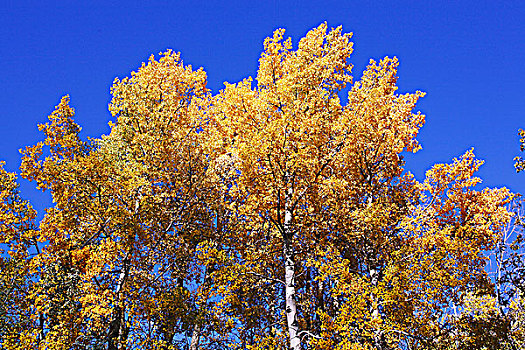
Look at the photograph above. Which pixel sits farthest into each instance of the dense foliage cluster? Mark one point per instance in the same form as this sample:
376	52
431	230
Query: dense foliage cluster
268	216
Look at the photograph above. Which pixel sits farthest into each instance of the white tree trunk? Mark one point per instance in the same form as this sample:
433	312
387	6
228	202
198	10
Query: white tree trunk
378	341
289	268
291	307
195	337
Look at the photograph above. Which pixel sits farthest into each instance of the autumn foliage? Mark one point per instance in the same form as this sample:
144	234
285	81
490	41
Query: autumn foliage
271	215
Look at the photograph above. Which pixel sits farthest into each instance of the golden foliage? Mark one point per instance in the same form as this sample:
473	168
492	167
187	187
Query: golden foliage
267	216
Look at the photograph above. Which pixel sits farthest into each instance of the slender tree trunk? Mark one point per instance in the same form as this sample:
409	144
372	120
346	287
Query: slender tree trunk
273	312
374	309
195	337
117	332
374	280
309	312
41	334
114	329
291	307
289	268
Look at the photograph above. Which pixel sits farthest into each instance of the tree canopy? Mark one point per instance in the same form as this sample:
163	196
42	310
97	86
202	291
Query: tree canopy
271	215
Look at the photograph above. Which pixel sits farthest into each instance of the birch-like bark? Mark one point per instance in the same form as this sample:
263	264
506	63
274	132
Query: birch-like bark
195	337
289	268
374	278
291	307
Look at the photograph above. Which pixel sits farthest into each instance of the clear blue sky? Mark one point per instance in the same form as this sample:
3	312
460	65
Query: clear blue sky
469	56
